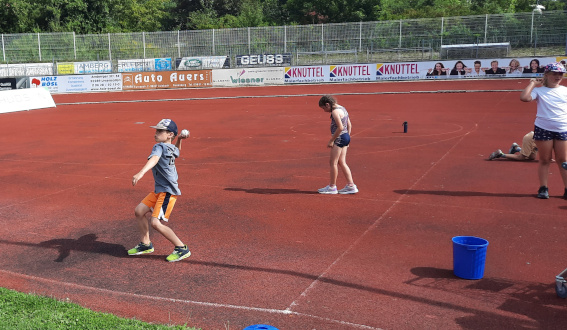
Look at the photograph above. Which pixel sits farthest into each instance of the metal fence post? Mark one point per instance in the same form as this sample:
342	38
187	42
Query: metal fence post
400	42
485	27
214	51
144	43
322	37
442	23
360	36
532	29
39	46
249	52
178	45
3	48
285	39
109	49
75	44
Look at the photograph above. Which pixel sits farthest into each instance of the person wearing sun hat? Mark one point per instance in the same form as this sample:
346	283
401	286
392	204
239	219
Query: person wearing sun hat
550	131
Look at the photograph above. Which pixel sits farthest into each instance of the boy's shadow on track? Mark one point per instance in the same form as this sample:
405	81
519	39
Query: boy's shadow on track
267	191
460	193
85	243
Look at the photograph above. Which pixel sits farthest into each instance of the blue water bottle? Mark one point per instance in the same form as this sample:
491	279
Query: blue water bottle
405	126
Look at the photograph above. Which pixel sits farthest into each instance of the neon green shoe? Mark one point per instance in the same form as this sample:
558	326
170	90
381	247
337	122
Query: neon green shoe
179	253
141	248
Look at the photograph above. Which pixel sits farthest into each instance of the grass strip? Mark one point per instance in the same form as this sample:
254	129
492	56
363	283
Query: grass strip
30	311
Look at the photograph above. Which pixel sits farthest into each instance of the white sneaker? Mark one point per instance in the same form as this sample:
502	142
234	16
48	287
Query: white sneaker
328	190
349	190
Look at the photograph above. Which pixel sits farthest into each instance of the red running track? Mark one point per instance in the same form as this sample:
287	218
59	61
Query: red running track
266	248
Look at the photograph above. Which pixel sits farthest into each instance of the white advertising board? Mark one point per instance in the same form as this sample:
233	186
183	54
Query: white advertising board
142	65
248	77
425	70
25	99
306	74
202	62
79	83
23	70
352	72
93	67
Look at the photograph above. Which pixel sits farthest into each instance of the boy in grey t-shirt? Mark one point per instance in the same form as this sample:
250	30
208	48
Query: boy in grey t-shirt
159	204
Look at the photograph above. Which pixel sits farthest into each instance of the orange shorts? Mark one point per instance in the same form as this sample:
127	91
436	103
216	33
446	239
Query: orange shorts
161	204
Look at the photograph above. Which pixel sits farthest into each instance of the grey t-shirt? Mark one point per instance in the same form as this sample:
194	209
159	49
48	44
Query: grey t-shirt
165	173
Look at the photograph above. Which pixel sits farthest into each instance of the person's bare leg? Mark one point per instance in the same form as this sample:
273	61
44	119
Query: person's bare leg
166	232
344	167
333	162
142	221
560	149
545	150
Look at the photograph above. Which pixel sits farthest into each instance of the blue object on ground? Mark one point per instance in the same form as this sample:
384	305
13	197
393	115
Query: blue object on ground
260	327
469	257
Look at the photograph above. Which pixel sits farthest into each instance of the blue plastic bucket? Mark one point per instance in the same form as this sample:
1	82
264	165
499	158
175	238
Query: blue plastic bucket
260	327
469	257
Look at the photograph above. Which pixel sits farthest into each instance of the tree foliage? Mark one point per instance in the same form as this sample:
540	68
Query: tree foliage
100	16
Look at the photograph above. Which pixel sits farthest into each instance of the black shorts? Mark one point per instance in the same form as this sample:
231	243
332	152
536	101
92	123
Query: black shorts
343	140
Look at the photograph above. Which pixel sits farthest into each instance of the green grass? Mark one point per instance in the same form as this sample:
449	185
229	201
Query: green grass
29	311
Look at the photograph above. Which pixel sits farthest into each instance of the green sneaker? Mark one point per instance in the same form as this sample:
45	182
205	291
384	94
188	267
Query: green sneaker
141	249
179	253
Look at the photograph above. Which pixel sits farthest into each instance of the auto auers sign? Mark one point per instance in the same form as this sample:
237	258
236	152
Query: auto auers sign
167	79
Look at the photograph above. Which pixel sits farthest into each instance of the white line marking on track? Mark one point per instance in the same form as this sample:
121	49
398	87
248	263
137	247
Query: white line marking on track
372	226
192	302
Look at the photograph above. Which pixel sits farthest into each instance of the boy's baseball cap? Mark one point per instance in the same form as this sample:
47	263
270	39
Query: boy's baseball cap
555	67
166	124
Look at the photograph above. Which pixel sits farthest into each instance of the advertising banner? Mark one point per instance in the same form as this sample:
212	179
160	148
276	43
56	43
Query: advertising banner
397	71
79	83
93	67
248	77
306	74
263	60
65	68
562	60
23	70
7	83
142	65
25	99
202	62
166	79
483	68
353	72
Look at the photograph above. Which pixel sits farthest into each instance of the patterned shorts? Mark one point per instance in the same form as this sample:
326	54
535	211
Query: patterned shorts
541	134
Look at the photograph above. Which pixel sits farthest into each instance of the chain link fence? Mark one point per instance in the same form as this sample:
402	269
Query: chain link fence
528	34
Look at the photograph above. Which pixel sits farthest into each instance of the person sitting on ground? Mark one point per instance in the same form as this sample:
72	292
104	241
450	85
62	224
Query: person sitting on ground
528	150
